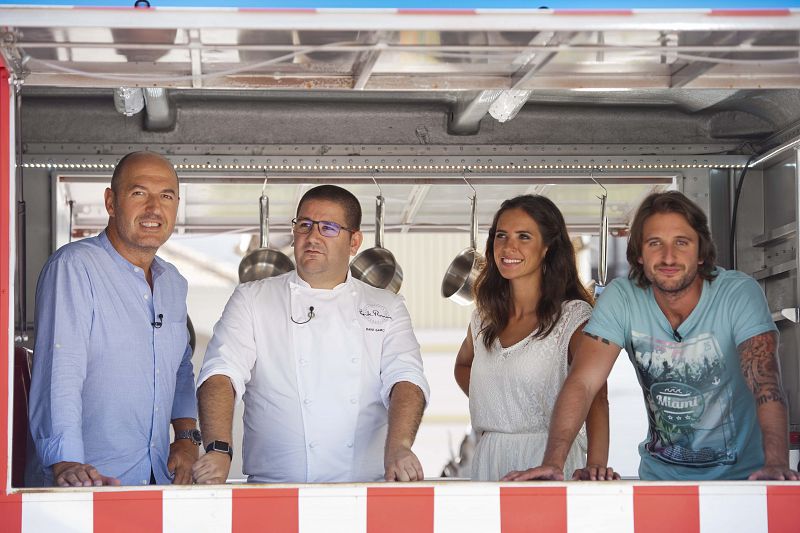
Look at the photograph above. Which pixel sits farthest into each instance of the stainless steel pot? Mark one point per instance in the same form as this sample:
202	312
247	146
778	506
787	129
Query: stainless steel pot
461	274
377	266
264	262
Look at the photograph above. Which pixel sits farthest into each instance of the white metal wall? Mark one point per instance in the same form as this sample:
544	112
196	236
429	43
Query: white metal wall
424	259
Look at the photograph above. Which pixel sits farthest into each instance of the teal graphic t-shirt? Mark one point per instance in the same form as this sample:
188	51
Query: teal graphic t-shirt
701	414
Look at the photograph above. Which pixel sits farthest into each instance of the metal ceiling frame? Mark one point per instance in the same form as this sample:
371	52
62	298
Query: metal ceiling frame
468	115
523	20
623	49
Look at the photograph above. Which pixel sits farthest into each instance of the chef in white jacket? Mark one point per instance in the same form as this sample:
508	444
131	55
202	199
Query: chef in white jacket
328	367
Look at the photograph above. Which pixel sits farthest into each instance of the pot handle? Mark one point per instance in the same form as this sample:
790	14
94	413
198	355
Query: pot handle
379	205
473	228
602	266
264	212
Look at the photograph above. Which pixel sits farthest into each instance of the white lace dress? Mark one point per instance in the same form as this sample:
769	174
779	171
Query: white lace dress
512	392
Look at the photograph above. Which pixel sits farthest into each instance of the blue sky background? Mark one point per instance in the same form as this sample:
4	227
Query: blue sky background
439	4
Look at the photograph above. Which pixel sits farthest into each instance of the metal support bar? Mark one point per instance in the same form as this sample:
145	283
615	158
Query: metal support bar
365	62
425	178
797	234
468	115
694	70
379	19
775	152
415	200
774	270
776	235
409	165
535	62
685	153
501	50
466	118
196	58
576	228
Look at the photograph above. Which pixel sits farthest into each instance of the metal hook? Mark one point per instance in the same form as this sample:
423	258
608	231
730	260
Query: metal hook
264	187
380	191
605	191
464	177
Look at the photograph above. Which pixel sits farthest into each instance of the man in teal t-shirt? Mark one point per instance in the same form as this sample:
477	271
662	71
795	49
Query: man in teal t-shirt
704	347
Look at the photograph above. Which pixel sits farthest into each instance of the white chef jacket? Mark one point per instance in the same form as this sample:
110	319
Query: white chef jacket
316	395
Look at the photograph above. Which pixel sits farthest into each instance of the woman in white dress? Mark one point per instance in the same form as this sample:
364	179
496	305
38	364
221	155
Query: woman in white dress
531	309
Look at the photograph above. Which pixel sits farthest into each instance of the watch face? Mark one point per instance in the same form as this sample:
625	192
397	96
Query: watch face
220	446
196	437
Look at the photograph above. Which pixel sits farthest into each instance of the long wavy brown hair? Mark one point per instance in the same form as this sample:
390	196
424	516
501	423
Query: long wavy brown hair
670	202
559	278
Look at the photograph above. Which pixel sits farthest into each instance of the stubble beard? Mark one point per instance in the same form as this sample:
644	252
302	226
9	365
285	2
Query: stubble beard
677	287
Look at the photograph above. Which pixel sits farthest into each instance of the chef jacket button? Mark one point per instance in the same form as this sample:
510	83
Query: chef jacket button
312	444
303	362
353	293
136	269
349	444
353	400
354	360
146	296
307	401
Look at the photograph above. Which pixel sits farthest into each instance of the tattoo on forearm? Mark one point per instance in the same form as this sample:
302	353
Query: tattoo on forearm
597	338
759	362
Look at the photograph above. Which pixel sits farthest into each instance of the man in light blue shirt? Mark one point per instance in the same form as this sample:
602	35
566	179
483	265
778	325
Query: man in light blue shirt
704	347
112	363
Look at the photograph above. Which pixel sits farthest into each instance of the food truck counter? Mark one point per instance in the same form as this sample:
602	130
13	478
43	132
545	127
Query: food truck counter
438	506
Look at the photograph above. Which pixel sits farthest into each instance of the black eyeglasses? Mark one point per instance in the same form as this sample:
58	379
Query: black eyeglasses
326	228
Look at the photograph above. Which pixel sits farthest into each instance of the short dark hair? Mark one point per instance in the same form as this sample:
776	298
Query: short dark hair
670	202
126	161
343	197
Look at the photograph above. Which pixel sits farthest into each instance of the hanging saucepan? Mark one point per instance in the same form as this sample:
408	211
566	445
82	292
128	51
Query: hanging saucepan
602	263
462	272
377	266
264	262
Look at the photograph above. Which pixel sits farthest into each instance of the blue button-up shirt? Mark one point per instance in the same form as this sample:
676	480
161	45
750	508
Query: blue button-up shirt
106	382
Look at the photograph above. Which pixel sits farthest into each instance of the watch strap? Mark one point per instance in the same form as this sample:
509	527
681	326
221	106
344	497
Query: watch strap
190	434
220	446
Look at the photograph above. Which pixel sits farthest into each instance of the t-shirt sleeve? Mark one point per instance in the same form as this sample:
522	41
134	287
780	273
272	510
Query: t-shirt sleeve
749	310
610	315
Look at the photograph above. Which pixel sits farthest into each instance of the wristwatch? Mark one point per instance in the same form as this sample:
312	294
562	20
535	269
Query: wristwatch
220	446
191	434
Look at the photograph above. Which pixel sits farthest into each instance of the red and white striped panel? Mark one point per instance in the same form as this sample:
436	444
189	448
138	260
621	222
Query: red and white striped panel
455	507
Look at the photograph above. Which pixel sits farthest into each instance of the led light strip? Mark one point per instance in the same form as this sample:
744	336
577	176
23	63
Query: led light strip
401	168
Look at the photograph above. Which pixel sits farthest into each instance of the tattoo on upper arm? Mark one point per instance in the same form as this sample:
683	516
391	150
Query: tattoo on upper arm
597	338
758	358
